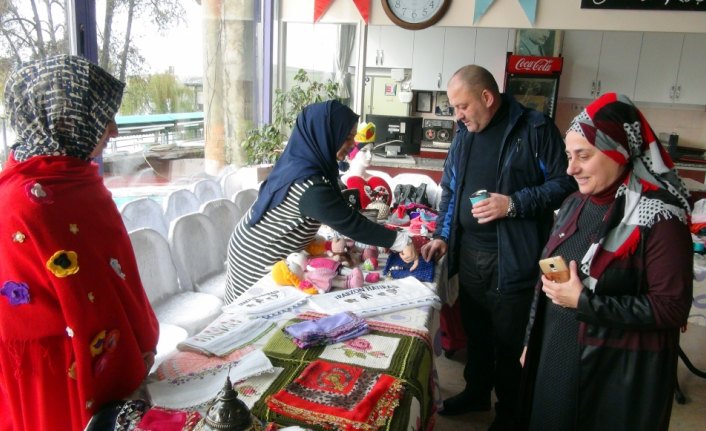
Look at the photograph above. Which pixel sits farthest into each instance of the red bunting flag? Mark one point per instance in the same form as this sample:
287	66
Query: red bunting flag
320	6
364	8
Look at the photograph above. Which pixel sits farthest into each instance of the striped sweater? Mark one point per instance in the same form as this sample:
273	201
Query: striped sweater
290	227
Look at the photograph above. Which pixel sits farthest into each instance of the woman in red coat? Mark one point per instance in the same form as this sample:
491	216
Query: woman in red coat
76	328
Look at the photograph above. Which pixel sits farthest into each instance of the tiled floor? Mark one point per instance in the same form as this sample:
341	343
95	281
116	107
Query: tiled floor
690	416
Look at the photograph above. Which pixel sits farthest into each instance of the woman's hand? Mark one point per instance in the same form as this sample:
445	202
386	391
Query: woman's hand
523	356
148	357
409	254
564	294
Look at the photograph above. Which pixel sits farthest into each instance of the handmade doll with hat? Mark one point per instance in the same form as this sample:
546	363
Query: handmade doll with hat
370	187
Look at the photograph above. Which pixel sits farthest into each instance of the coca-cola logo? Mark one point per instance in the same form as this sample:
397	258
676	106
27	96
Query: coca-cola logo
536	65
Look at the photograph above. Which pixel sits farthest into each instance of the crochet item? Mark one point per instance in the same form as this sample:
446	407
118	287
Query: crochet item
339	395
284	276
340	253
382	208
399	217
326	330
397	268
322	263
365	133
372	277
374	189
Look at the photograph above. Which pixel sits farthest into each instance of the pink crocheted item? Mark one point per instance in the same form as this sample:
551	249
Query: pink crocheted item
354	279
369	252
372	277
323	263
321	278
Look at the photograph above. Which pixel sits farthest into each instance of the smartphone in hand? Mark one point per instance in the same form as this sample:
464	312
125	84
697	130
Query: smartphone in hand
555	268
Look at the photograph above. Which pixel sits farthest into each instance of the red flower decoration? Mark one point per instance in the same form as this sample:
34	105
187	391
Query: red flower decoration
359	344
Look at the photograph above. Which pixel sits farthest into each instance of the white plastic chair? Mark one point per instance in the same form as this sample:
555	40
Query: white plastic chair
232	182
244	199
380	174
207	190
224	214
433	189
180	202
172	304
144	212
199	253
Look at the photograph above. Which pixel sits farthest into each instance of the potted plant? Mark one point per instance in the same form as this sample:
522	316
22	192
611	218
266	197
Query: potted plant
265	144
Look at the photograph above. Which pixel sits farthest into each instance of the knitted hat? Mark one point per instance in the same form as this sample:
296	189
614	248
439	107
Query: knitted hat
366	133
364	137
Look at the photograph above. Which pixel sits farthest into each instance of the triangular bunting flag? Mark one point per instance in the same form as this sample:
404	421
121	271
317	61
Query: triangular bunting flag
364	8
480	9
530	7
320	6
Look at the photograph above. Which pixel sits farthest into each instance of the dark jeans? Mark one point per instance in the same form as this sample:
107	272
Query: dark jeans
495	326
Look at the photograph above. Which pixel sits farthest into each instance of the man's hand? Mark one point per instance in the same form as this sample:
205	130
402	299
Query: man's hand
493	208
434	249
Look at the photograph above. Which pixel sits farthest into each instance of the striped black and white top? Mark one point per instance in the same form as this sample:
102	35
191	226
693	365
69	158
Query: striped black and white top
290	227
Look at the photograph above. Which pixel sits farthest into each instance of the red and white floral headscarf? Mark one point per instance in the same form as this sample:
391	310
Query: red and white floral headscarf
652	189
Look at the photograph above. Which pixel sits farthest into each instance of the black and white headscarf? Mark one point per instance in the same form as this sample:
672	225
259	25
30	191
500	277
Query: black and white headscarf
60	106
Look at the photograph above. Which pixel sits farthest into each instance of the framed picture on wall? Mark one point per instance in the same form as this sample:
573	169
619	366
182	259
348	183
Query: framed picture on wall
390	89
423	101
539	42
443	108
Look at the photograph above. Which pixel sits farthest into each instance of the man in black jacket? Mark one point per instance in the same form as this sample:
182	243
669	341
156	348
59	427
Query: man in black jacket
517	155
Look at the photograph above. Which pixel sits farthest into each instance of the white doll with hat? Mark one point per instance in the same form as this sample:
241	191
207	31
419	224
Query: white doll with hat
371	188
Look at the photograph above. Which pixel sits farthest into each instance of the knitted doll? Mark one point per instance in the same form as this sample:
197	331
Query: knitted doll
316	275
339	252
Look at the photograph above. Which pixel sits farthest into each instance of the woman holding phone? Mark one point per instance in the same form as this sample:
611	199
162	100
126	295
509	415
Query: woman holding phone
607	339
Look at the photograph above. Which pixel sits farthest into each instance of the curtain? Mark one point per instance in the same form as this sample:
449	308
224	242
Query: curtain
346	40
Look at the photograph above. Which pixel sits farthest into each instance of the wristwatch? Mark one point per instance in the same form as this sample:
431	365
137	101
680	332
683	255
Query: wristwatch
511	210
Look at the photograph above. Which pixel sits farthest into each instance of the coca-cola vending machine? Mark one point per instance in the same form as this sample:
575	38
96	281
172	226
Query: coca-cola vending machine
534	81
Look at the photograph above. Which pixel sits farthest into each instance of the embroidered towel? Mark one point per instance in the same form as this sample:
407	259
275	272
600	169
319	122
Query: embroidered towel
194	391
327	330
385	297
339	395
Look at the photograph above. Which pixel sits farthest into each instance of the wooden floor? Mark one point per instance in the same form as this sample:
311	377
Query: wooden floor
690	416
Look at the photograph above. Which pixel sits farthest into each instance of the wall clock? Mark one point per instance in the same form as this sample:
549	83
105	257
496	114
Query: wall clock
415	14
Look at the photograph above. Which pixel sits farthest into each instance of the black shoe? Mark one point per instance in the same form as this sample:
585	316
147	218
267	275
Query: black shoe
464	403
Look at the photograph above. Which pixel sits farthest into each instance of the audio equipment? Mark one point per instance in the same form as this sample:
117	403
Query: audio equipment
437	133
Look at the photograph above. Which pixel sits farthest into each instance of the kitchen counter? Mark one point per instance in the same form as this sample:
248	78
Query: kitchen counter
411	162
422	165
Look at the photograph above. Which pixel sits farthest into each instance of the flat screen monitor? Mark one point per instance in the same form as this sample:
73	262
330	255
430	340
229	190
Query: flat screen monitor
388	128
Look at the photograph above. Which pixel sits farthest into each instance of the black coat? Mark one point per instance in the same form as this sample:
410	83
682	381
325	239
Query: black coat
532	170
628	328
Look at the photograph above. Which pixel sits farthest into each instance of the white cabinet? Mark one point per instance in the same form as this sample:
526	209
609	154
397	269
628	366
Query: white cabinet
659	65
459	50
672	67
691	87
389	46
428	59
491	51
438	53
599	62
